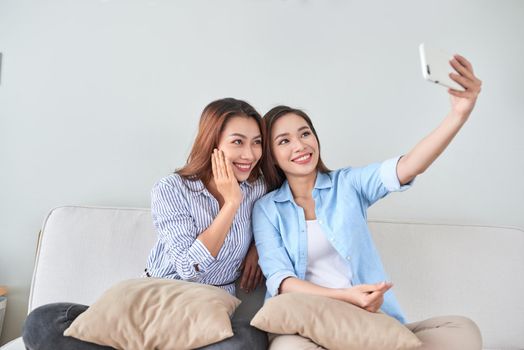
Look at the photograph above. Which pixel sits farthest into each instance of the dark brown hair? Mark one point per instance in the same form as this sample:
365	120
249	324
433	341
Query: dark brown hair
273	175
212	122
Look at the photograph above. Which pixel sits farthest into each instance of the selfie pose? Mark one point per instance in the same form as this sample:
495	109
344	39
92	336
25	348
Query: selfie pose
311	230
202	214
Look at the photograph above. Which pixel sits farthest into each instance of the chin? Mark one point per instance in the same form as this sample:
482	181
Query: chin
242	177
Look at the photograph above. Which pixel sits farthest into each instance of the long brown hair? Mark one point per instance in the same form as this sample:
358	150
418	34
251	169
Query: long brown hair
212	122
273	175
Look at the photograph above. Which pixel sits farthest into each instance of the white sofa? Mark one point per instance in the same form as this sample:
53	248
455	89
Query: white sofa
437	269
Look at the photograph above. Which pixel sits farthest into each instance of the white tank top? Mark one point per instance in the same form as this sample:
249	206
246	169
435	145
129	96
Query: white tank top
325	266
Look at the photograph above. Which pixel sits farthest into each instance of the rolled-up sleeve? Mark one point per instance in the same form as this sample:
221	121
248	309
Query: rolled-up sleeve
177	231
389	177
376	180
273	257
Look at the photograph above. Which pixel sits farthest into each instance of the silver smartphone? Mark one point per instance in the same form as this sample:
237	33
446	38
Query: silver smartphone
436	67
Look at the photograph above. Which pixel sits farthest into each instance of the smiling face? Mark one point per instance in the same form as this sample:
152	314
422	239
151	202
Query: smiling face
294	146
241	142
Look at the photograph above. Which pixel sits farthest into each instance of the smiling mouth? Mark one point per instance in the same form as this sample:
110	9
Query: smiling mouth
303	159
243	167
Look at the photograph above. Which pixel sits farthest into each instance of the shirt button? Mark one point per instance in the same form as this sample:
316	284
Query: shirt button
348	257
320	222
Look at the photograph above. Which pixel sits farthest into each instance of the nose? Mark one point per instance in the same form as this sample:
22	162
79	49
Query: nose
298	145
248	154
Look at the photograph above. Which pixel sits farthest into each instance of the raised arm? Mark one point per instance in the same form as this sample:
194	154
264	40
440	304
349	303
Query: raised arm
462	103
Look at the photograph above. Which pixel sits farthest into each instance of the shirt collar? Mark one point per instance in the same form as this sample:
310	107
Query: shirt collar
197	188
284	193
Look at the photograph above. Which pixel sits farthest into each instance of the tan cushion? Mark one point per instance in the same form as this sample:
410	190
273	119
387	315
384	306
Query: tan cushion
149	313
332	324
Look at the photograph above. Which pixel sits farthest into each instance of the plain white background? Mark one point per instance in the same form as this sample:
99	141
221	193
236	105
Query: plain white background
99	99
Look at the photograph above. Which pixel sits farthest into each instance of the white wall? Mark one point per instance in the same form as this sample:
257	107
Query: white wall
98	99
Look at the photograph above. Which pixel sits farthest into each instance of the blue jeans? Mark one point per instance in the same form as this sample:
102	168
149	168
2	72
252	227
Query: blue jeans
44	328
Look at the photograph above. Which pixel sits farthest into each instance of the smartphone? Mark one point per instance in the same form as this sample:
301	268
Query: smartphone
436	67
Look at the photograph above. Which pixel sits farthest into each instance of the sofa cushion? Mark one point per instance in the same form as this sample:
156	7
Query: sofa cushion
149	313
333	324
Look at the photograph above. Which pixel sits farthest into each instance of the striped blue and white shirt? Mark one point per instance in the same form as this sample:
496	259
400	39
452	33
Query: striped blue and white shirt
182	209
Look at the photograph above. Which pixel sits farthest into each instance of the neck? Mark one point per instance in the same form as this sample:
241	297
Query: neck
302	186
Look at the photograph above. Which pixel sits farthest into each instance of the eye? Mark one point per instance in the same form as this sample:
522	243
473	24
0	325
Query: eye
237	142
283	141
258	142
306	133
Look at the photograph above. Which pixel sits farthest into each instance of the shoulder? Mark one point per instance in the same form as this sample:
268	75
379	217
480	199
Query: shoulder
266	201
351	172
258	187
342	174
174	183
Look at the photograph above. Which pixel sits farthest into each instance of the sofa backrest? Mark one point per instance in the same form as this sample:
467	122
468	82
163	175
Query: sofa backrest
474	271
437	269
82	251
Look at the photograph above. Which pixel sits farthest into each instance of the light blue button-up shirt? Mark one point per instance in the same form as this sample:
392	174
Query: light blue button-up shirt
341	201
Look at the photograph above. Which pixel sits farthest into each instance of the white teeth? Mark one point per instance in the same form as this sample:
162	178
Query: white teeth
243	166
302	158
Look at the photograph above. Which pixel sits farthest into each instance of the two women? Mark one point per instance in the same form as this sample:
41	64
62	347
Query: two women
311	231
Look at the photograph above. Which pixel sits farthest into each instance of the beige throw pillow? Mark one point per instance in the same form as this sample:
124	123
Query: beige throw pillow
333	324
150	313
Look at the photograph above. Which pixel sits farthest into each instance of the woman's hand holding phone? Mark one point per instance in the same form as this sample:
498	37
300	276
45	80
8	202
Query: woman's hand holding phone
462	102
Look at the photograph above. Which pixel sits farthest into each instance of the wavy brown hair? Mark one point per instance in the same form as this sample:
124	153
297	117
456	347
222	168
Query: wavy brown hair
212	122
273	175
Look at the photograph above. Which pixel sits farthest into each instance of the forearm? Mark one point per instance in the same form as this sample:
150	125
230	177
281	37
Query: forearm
214	236
296	285
428	149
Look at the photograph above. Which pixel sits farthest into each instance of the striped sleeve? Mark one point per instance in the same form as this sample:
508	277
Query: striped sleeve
177	231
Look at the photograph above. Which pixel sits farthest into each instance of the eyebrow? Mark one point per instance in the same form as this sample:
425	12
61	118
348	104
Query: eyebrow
242	136
286	133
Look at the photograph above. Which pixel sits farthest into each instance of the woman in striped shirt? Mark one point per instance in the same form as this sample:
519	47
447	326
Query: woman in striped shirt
202	214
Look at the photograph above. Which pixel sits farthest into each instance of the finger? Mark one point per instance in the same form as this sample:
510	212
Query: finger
462	70
229	170
243	279
251	279
463	61
214	164
462	94
375	299
385	286
220	165
367	288
372	297
466	83
377	304
258	278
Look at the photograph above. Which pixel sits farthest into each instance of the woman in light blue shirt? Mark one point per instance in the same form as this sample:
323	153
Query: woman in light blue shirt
202	214
311	231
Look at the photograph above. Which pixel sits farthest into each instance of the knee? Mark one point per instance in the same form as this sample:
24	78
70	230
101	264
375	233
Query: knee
46	324
470	331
